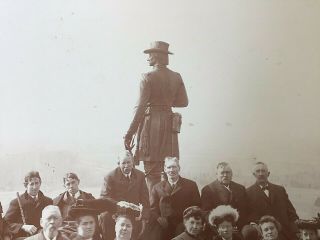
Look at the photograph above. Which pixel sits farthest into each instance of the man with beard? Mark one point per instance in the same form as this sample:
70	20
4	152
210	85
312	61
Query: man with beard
169	198
24	212
50	222
265	198
125	183
224	191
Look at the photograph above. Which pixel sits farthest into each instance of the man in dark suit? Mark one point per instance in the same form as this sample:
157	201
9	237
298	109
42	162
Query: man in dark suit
265	198
66	199
50	222
169	198
25	221
223	191
125	183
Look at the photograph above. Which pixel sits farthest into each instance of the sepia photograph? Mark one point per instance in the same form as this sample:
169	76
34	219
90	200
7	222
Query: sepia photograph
160	120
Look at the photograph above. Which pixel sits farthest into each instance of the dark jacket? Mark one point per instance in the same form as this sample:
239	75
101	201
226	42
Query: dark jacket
215	194
40	236
170	203
116	188
185	236
160	90
60	201
277	205
32	212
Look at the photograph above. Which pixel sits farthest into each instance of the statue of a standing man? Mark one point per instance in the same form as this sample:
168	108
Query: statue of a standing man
155	125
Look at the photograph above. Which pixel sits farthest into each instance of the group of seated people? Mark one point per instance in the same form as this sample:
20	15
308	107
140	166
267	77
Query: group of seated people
173	209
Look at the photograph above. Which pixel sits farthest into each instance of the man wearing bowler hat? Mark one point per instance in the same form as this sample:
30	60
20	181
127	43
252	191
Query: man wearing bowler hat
154	124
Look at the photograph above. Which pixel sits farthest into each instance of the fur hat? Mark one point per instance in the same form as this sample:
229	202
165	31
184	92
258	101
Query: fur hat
223	213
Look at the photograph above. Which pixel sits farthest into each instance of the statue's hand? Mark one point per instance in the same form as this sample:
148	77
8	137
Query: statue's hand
127	142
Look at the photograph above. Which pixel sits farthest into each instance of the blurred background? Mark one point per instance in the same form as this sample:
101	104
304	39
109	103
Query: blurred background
70	73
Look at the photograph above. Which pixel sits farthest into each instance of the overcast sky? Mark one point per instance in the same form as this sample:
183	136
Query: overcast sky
70	72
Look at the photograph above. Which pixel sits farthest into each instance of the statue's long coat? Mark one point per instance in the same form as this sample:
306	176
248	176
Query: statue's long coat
160	90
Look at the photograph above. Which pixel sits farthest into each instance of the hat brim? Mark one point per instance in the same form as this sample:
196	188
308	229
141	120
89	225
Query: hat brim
151	50
81	211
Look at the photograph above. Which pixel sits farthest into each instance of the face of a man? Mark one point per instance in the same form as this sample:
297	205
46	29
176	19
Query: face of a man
224	175
269	231
50	222
71	185
225	229
33	186
308	234
261	173
86	226
172	169
151	59
126	165
123	228
193	226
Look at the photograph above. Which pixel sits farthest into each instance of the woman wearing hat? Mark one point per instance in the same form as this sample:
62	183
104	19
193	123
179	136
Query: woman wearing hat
86	221
224	218
309	230
193	221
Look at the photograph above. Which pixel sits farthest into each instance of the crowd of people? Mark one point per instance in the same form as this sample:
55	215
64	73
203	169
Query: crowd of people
174	209
159	203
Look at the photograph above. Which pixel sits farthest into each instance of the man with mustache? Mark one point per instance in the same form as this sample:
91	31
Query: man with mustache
125	183
23	214
224	191
265	198
50	222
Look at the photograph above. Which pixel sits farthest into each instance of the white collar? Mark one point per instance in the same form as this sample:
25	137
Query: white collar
127	175
34	197
175	182
55	238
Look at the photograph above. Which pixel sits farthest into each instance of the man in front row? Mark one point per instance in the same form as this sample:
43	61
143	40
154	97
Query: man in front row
169	198
50	222
265	198
24	212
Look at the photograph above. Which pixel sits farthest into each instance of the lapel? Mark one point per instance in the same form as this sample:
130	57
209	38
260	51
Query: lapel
261	194
224	194
271	193
178	186
165	188
133	180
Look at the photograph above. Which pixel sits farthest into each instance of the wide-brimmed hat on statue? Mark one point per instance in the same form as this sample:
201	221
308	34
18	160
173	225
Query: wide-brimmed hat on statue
159	47
80	211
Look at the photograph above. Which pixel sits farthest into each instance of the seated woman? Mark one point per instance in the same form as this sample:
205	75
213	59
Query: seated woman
123	227
309	230
270	228
224	218
193	221
86	223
